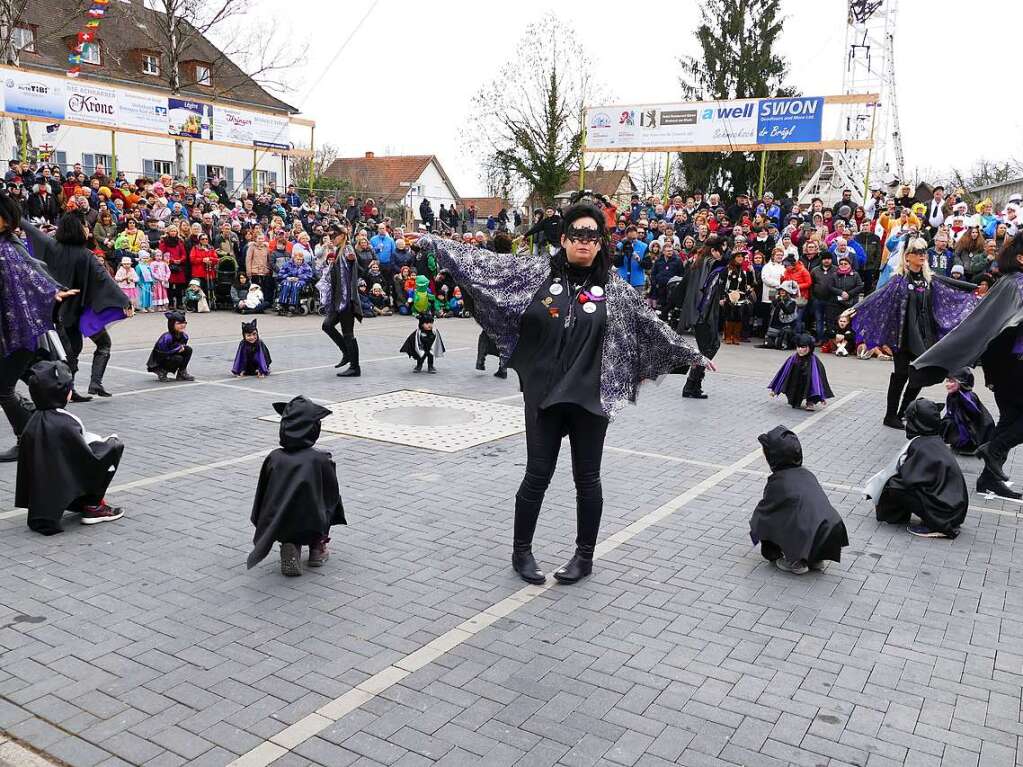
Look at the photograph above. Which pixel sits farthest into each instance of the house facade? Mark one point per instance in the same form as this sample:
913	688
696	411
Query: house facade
120	112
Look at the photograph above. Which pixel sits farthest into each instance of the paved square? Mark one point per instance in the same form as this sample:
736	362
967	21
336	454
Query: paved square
147	642
424	420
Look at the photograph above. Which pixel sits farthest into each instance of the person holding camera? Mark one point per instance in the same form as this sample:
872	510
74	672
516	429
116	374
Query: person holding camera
630	259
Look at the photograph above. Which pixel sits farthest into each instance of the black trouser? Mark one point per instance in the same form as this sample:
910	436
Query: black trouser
1009	430
100	357
544	432
16	408
346	320
708	342
176	295
898	381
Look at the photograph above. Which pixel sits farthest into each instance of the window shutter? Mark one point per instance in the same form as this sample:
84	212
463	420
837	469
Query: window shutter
89	164
272	178
229	178
247	179
149	169
61	159
200	175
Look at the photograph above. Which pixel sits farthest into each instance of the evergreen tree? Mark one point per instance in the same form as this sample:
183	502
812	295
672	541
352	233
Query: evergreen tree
738	61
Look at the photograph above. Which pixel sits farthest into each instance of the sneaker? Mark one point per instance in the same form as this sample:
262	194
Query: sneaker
884	357
796	568
183	375
318	553
817	567
922	531
291	564
161	376
94	515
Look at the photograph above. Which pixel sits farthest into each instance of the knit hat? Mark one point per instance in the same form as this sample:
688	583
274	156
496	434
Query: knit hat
790	287
125	261
958	269
376	286
194	282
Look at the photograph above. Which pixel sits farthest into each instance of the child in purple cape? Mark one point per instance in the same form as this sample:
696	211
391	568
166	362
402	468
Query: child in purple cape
252	357
802	379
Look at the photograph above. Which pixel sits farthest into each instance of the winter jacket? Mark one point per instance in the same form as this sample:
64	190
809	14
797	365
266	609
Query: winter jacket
799	275
200	269
177	259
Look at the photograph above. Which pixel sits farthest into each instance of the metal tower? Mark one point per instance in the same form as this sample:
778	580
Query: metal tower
869	68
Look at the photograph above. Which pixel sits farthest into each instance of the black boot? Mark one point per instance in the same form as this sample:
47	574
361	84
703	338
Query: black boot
525	565
502	372
992	462
694	383
894	422
990	486
578	567
344	354
99	368
354	371
481	352
9	456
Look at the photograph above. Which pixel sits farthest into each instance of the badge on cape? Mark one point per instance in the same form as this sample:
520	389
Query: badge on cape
556	289
596	291
589	307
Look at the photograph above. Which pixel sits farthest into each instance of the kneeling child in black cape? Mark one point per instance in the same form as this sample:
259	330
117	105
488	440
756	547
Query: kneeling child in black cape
61	466
967	423
794	523
252	357
802	378
424	344
297	498
923	479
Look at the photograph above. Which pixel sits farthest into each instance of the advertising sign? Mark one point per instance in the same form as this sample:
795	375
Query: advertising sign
28	93
142	111
91	104
190	119
271	131
234	125
717	125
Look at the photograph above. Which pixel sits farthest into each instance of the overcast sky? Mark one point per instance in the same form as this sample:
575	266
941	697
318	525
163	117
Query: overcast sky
416	65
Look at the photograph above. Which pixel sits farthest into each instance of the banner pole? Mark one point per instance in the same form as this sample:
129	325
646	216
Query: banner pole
582	150
113	154
24	142
191	180
870	157
763	165
667	178
312	154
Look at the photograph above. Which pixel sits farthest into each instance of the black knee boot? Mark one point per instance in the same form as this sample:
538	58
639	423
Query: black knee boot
524	564
99	367
578	567
344	354
694	383
481	352
354	371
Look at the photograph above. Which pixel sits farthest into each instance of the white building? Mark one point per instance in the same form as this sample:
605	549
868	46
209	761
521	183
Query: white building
123	91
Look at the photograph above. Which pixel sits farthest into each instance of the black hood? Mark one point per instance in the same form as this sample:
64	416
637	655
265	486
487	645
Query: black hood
923	418
781	448
173	318
49	385
300	422
965	378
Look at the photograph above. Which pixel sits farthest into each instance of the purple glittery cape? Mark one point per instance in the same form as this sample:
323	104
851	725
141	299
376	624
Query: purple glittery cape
818	387
249	356
637	345
26	300
879	318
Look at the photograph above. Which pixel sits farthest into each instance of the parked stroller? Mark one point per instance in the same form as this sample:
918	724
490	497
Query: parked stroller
227	273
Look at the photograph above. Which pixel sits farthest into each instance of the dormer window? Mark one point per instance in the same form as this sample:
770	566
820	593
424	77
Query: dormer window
91	54
203	74
150	64
23	39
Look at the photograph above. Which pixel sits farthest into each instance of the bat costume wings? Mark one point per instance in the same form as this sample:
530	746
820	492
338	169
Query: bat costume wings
251	358
297	497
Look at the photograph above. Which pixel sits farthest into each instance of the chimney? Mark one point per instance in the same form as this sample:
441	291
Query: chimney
370	155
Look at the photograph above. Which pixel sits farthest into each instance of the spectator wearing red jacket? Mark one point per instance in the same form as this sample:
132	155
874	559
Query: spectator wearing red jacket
797	272
177	259
204	261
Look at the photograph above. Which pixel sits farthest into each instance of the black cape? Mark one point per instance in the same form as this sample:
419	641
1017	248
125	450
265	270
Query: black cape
297	497
795	517
57	469
1000	312
74	266
802	379
967	424
929	482
420	343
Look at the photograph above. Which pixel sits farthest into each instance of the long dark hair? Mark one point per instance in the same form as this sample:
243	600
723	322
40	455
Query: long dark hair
602	261
71	230
713	242
1008	259
10	212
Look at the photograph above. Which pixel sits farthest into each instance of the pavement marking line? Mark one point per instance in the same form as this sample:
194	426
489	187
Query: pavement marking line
269	392
516	395
340	707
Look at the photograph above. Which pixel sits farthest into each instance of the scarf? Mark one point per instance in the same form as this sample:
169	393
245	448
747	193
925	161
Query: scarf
847	269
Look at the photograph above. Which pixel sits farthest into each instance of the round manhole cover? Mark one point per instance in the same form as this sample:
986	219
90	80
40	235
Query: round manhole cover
424	416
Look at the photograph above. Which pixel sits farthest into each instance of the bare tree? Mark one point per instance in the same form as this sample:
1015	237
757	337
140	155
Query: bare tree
323	157
183	30
526	124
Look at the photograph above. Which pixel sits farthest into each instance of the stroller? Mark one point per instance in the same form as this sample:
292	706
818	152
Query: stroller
227	272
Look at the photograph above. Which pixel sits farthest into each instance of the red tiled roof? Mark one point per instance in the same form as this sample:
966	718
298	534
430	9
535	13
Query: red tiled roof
380	177
485	206
605	182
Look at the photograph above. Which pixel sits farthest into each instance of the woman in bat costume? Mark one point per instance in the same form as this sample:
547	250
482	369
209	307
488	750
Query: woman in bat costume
297	499
909	314
252	357
924	479
171	353
699	298
968	424
581	340
993	334
61	466
424	344
794	523
802	378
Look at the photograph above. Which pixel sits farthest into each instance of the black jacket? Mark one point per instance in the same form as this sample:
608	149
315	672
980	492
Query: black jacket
823	283
353	288
548	228
850	283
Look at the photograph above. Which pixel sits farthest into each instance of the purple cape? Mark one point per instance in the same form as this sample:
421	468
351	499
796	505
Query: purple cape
26	301
251	357
818	385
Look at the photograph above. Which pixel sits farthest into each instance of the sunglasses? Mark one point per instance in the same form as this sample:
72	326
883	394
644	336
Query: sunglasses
583	234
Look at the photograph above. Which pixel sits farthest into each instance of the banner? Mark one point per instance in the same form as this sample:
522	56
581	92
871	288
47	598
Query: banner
271	131
190	119
91	104
142	111
709	125
28	93
234	125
